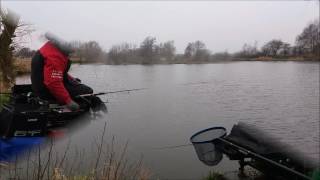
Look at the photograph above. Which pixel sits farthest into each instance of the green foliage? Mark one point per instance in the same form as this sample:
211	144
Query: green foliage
214	176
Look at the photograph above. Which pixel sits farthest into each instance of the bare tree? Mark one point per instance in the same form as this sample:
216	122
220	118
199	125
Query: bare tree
309	39
248	50
114	54
167	50
197	51
92	51
88	51
272	47
147	49
123	53
189	51
285	49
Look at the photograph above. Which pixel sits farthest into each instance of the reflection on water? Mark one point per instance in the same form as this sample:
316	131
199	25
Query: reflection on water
280	97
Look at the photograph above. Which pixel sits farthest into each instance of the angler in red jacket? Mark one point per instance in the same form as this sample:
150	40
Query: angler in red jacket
49	74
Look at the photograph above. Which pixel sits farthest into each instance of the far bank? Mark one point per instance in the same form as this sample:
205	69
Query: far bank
23	65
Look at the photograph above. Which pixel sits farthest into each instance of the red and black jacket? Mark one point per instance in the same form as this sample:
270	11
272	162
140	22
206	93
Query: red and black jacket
49	73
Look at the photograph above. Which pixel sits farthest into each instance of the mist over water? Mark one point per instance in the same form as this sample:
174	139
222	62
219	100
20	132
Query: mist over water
282	98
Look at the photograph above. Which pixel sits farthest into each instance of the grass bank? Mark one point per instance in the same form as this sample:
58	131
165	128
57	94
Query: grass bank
297	58
279	58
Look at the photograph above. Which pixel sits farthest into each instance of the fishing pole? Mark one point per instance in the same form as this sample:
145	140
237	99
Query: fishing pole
172	147
111	92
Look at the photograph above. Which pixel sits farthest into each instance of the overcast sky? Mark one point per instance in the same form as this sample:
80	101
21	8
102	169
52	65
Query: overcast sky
221	25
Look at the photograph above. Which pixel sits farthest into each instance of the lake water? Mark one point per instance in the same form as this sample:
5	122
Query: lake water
282	98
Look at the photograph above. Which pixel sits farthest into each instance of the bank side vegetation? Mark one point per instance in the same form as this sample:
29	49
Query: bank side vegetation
105	160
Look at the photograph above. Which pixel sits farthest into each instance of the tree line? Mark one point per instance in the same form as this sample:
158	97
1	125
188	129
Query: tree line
307	45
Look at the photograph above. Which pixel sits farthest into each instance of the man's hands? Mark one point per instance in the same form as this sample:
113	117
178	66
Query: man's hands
73	106
74	81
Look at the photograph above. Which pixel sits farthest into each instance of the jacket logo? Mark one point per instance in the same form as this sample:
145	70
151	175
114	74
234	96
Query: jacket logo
56	74
27	133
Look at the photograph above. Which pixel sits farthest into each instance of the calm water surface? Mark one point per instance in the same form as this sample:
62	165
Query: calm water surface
280	97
